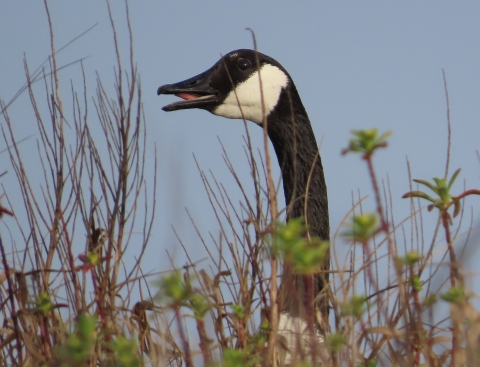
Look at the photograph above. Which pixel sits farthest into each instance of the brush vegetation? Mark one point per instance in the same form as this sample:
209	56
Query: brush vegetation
72	294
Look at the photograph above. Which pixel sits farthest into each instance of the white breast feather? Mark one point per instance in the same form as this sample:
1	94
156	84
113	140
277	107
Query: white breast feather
292	334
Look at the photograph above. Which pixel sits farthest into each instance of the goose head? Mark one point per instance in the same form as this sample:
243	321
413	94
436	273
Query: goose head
232	88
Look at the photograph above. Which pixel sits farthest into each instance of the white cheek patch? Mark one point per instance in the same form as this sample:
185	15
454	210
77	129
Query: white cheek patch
249	96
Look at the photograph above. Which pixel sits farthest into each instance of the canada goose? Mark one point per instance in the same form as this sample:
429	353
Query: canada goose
294	142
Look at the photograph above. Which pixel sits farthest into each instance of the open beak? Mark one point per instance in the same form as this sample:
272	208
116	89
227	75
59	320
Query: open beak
195	91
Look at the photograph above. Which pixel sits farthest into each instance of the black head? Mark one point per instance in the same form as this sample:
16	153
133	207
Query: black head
231	87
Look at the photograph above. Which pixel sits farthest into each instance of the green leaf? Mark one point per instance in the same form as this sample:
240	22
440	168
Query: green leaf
335	342
418	194
174	290
445	199
80	344
240	358
458	207
355	307
428	184
367	141
430	300
238	310
415	283
454	177
362	227
455	295
369	363
44	304
412	258
295	247
126	354
199	306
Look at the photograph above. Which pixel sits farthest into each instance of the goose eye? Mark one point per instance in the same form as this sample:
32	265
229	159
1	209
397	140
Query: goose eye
243	64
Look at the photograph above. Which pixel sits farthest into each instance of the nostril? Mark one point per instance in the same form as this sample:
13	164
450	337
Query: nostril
192	83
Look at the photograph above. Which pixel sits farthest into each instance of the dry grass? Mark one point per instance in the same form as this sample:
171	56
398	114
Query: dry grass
77	297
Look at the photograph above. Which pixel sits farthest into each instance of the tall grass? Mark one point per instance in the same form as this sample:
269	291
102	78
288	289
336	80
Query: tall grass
76	294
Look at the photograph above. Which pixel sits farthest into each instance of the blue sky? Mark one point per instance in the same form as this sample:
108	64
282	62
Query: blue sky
356	65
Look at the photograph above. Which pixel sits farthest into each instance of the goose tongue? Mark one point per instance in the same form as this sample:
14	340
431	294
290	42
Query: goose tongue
187	96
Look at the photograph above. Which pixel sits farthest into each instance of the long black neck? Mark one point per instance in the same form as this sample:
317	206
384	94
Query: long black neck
305	190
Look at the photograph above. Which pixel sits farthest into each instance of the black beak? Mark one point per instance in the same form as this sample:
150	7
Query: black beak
195	91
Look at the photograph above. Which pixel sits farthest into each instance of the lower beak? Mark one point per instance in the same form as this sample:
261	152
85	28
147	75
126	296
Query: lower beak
195	91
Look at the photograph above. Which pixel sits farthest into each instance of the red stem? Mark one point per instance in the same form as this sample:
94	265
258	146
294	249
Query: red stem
371	171
12	302
416	301
453	272
186	348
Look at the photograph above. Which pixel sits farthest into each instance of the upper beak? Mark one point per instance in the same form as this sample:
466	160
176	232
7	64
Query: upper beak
195	91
